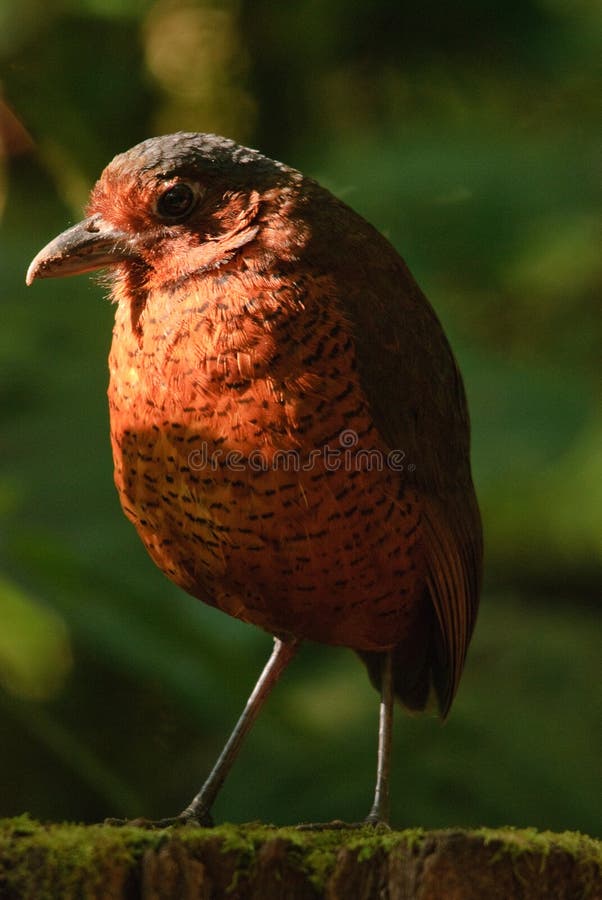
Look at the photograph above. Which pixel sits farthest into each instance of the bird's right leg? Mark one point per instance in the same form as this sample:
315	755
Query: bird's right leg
199	810
379	814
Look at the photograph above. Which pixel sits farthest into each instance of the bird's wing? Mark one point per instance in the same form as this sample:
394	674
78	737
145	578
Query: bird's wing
415	391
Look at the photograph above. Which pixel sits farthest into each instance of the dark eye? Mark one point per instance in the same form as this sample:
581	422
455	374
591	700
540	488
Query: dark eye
176	202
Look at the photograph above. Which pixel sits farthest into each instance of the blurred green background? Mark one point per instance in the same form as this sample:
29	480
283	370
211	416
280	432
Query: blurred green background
469	133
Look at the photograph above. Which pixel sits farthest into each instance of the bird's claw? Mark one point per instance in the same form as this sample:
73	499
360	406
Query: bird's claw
339	825
377	824
181	821
335	825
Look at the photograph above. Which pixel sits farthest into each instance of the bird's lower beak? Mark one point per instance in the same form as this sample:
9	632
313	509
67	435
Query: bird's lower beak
89	245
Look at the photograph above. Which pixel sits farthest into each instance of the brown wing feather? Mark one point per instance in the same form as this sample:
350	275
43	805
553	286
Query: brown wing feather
453	582
412	382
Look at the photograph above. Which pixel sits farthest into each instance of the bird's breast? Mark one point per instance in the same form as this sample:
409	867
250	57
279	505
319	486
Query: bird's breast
249	478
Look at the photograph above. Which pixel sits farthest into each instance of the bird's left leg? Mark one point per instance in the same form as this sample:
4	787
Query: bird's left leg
379	814
200	808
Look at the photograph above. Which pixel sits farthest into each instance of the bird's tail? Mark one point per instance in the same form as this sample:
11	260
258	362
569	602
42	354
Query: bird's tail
417	678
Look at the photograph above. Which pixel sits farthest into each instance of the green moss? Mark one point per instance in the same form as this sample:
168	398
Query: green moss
518	841
315	852
322	848
521	843
45	861
371	841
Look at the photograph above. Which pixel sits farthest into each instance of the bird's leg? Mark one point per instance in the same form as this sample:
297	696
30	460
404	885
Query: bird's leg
379	814
199	809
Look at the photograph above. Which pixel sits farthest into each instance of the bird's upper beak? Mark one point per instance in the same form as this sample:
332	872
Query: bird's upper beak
89	245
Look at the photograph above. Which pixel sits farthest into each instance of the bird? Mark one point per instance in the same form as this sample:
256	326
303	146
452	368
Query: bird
289	425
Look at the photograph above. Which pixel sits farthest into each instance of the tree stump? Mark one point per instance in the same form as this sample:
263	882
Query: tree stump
258	862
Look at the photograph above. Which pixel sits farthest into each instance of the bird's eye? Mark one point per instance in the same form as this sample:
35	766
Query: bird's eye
176	202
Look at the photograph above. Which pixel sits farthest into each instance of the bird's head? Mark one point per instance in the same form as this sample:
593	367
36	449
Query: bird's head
174	206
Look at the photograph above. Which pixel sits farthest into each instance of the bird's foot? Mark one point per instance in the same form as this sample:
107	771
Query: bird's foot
339	825
335	825
180	821
377	823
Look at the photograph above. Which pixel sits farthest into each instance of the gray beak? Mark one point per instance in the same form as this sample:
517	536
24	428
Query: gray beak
89	245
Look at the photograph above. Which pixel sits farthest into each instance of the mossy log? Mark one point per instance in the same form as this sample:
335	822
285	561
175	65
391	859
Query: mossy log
257	862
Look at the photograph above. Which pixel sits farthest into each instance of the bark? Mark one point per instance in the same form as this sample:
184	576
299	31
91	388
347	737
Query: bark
256	862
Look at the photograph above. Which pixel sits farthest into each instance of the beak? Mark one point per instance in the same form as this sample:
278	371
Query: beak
89	245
